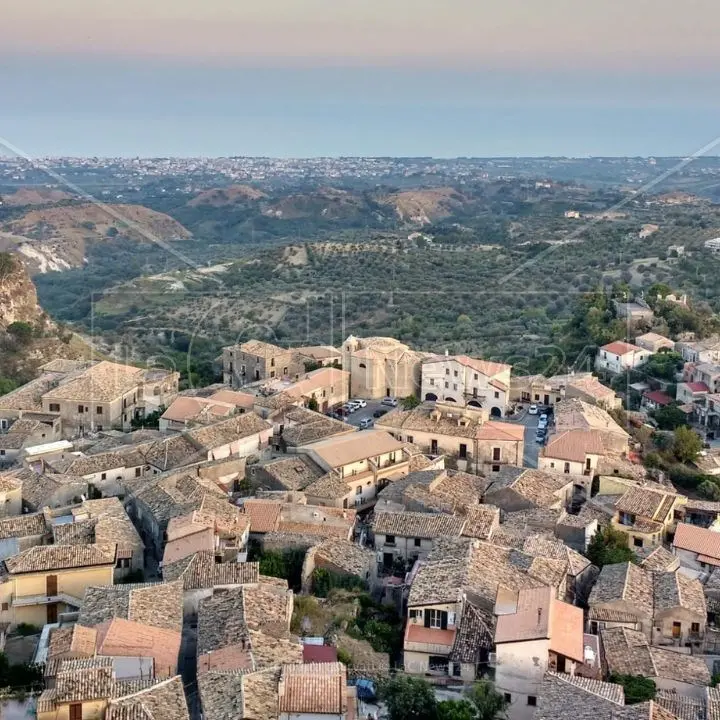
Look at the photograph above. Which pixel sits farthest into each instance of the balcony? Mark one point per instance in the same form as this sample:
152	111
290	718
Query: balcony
432	641
28	600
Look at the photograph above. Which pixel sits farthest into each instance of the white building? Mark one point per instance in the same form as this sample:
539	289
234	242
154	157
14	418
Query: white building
467	381
617	357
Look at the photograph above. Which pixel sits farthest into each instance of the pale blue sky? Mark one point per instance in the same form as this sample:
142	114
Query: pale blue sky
400	77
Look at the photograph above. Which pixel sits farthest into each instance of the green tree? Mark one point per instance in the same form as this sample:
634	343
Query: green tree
709	490
410	698
151	420
7	385
313	404
488	702
7	265
686	445
608	547
22	332
410	402
670	417
637	688
456	710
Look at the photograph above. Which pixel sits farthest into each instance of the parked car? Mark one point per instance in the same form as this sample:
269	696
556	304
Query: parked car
353	404
533	410
379	413
389	401
542	423
365	423
348	408
359	402
540	437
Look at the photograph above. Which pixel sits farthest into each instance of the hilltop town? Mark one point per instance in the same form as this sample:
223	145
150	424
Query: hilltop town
344	531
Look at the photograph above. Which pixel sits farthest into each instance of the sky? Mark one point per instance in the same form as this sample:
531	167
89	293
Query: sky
359	77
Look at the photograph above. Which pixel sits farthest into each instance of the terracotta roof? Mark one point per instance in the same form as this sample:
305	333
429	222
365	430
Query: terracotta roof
539	487
125	638
420	525
566	696
103	382
346	556
697	387
264	514
539	615
232	397
682	707
501	432
620	348
42	558
541	546
658	397
293	473
221	433
575	414
313	688
574	445
83	680
261	349
319	654
184	409
592	387
698	540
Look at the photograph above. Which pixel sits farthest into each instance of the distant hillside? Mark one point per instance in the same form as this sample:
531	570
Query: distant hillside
232	195
425	206
55	238
34	196
324	203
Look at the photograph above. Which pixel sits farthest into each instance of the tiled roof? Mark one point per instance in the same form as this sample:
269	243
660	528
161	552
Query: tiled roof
74	641
155	604
713	703
42	558
200	571
224	432
426	418
481	520
628	652
646	502
674	589
574	445
160	701
103	382
293	473
592	387
658	559
184	409
83	680
540	487
474	634
620	348
420	525
19	526
568	696
264	514
698	540
345	555
303	426
657	397
125	638
221	694
316	688
329	486
682	707
540	546
261	349
624	581
575	414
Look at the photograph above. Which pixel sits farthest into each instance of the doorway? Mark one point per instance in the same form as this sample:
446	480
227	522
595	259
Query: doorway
51	585
52	613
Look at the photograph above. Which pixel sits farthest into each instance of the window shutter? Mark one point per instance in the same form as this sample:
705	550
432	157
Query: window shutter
451	618
443	620
427	618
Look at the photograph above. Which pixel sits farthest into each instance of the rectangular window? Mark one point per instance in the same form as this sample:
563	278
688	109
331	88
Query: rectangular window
637	542
272	373
5	606
2	452
508	697
475	376
455	373
532	700
447	385
417	542
389	539
497	394
447	371
496	468
435	618
695	627
272	362
137	472
463	451
358	490
98	410
454	386
54	407
410	438
80	409
567	467
433	447
496	454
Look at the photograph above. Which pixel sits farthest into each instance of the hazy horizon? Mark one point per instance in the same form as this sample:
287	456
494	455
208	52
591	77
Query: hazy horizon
176	78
